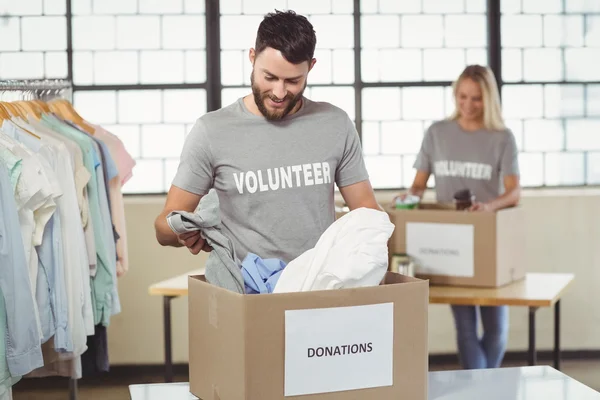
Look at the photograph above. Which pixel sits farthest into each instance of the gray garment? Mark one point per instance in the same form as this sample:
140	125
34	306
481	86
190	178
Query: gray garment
222	266
459	159
275	179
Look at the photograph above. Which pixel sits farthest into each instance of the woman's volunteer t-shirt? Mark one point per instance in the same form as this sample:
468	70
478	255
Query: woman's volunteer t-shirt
460	159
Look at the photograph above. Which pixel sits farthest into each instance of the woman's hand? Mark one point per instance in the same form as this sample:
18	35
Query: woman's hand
478	206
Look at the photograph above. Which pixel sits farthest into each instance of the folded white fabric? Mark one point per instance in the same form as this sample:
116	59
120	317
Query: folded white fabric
352	252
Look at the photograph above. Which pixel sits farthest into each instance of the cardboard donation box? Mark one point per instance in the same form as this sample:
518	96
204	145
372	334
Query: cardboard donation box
347	344
461	248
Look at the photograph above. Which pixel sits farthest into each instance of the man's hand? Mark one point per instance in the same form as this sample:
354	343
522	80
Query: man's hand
194	242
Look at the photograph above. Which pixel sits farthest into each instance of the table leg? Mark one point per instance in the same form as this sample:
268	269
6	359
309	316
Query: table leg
167	333
72	389
532	355
557	335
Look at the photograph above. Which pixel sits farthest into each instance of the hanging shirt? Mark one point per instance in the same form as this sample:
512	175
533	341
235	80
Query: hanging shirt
77	264
124	164
23	352
102	292
35	207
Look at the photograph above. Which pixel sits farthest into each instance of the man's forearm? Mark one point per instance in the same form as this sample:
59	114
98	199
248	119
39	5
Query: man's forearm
164	234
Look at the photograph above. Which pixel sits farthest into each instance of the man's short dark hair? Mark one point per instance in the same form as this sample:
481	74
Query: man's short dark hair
289	33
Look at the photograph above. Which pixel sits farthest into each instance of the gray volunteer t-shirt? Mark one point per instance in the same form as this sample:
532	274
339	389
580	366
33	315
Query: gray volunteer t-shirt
459	159
275	180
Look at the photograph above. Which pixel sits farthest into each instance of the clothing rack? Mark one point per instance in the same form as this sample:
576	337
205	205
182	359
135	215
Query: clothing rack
44	89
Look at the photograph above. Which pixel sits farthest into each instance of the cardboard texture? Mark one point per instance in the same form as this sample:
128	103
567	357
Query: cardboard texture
237	342
498	243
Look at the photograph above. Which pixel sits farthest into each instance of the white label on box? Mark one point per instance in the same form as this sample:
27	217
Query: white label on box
342	348
441	249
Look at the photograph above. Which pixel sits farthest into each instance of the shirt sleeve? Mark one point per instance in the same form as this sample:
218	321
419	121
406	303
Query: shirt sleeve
195	173
351	168
509	163
423	161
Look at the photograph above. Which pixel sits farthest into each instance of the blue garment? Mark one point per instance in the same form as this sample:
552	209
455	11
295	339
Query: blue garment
487	352
51	295
23	349
261	276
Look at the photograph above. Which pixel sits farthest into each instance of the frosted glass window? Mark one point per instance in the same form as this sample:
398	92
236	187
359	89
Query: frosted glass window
380	31
231	95
564	100
129	135
343	65
322	72
148	177
380	104
401	137
544	135
160	6
422	31
10	37
310	6
139	106
333	31
593	100
423	103
531	167
194	6
516	127
99	107
81	7
523	101
166	66
54	31
55	7
232	68
477	56
115	6
396	7
582	65
239	32
476	6
521	31
262	6
582	6
384	171
23	7
83	67
542	7
139	32
593	168
512	65
56	65
465	31
443	64
542	65
563	30
510	6
94	33
21	65
370	138
183	32
116	67
583	134
230	7
443	6
195	66
342	6
184	106
171	166
592	36
162	140
565	169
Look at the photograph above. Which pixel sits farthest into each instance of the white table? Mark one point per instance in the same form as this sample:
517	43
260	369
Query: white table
521	383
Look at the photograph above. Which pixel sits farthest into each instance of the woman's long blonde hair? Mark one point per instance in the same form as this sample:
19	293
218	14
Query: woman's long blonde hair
492	110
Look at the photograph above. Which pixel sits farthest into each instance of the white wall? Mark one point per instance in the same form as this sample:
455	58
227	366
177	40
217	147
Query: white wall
563	228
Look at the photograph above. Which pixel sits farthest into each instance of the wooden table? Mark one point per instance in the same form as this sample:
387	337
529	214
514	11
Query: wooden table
535	291
520	383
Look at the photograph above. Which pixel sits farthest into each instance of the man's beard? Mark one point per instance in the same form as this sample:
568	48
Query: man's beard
260	98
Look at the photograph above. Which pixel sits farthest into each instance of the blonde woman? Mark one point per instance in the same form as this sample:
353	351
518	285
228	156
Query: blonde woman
473	150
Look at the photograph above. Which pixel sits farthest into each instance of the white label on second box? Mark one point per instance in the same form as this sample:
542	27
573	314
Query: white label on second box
441	249
335	349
